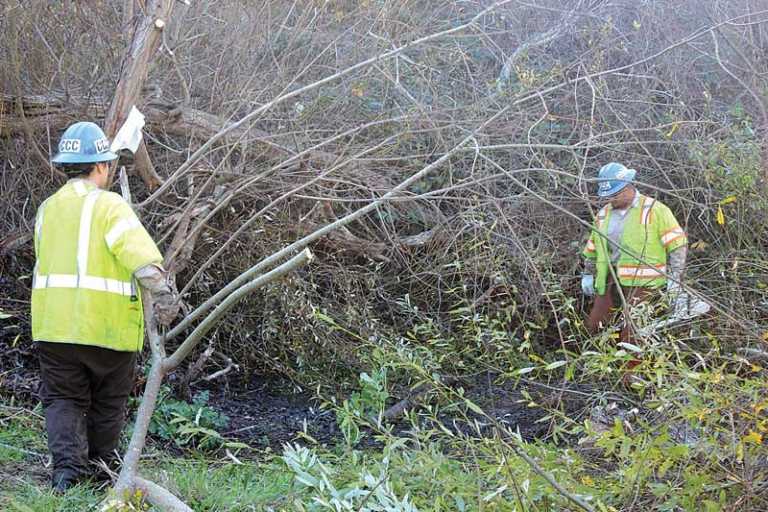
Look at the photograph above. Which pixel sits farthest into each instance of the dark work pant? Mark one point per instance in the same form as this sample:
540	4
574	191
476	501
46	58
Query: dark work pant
603	308
84	391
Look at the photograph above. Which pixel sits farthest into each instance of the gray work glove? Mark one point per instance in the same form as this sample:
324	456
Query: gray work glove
154	279
166	306
676	296
588	284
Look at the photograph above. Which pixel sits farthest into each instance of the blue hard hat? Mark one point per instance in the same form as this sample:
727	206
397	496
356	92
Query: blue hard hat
612	179
83	143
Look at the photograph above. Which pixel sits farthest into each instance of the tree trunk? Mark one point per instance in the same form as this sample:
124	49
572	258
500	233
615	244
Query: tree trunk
147	33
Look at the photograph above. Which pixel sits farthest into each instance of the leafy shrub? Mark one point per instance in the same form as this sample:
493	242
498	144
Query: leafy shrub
367	403
367	493
194	425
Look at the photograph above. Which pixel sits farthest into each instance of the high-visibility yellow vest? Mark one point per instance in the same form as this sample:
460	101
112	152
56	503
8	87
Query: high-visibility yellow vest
650	233
88	244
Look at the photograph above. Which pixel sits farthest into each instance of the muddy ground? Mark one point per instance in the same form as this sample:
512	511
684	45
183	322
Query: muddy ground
268	412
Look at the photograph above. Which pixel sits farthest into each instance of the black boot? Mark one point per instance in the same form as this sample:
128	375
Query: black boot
67	443
63	480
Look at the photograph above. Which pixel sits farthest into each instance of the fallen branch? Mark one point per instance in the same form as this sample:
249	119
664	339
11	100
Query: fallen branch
325	230
224	371
406	403
576	500
22	450
128	481
194	370
753	353
160	497
54	112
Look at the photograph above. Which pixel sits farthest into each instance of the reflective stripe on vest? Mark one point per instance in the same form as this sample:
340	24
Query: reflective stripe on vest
120	229
641	272
645	216
82	279
672	235
99	284
84	238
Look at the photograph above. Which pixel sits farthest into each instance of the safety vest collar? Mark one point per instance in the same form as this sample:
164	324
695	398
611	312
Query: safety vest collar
644	202
82	187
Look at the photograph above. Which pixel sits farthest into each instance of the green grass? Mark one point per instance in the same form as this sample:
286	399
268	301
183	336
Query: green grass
37	498
23	468
20	432
212	486
206	485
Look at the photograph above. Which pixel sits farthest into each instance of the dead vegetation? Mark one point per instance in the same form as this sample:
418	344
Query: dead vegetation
476	126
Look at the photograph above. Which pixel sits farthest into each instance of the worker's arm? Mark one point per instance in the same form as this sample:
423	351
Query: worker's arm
675	269
125	236
132	246
675	241
588	276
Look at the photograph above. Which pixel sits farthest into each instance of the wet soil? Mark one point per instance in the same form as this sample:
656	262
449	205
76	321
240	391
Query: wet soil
265	413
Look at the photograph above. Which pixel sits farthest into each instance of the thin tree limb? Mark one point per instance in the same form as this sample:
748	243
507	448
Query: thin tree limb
233	298
197	155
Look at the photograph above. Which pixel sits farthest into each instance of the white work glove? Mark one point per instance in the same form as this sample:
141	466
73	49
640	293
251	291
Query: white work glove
679	304
588	284
165	300
676	298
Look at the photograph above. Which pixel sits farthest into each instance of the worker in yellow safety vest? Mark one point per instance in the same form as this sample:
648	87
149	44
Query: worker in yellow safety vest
635	239
92	255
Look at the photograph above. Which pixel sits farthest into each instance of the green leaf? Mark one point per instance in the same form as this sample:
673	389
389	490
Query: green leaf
556	364
629	346
306	479
523	371
473	406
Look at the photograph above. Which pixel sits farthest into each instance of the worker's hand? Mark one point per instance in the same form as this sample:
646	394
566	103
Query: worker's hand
588	284
678	303
154	279
166	304
675	297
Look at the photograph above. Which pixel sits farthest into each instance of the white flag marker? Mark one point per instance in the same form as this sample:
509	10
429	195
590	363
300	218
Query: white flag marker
129	135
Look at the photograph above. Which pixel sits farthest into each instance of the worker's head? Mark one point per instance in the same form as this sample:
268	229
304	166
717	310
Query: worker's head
84	153
623	199
615	185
